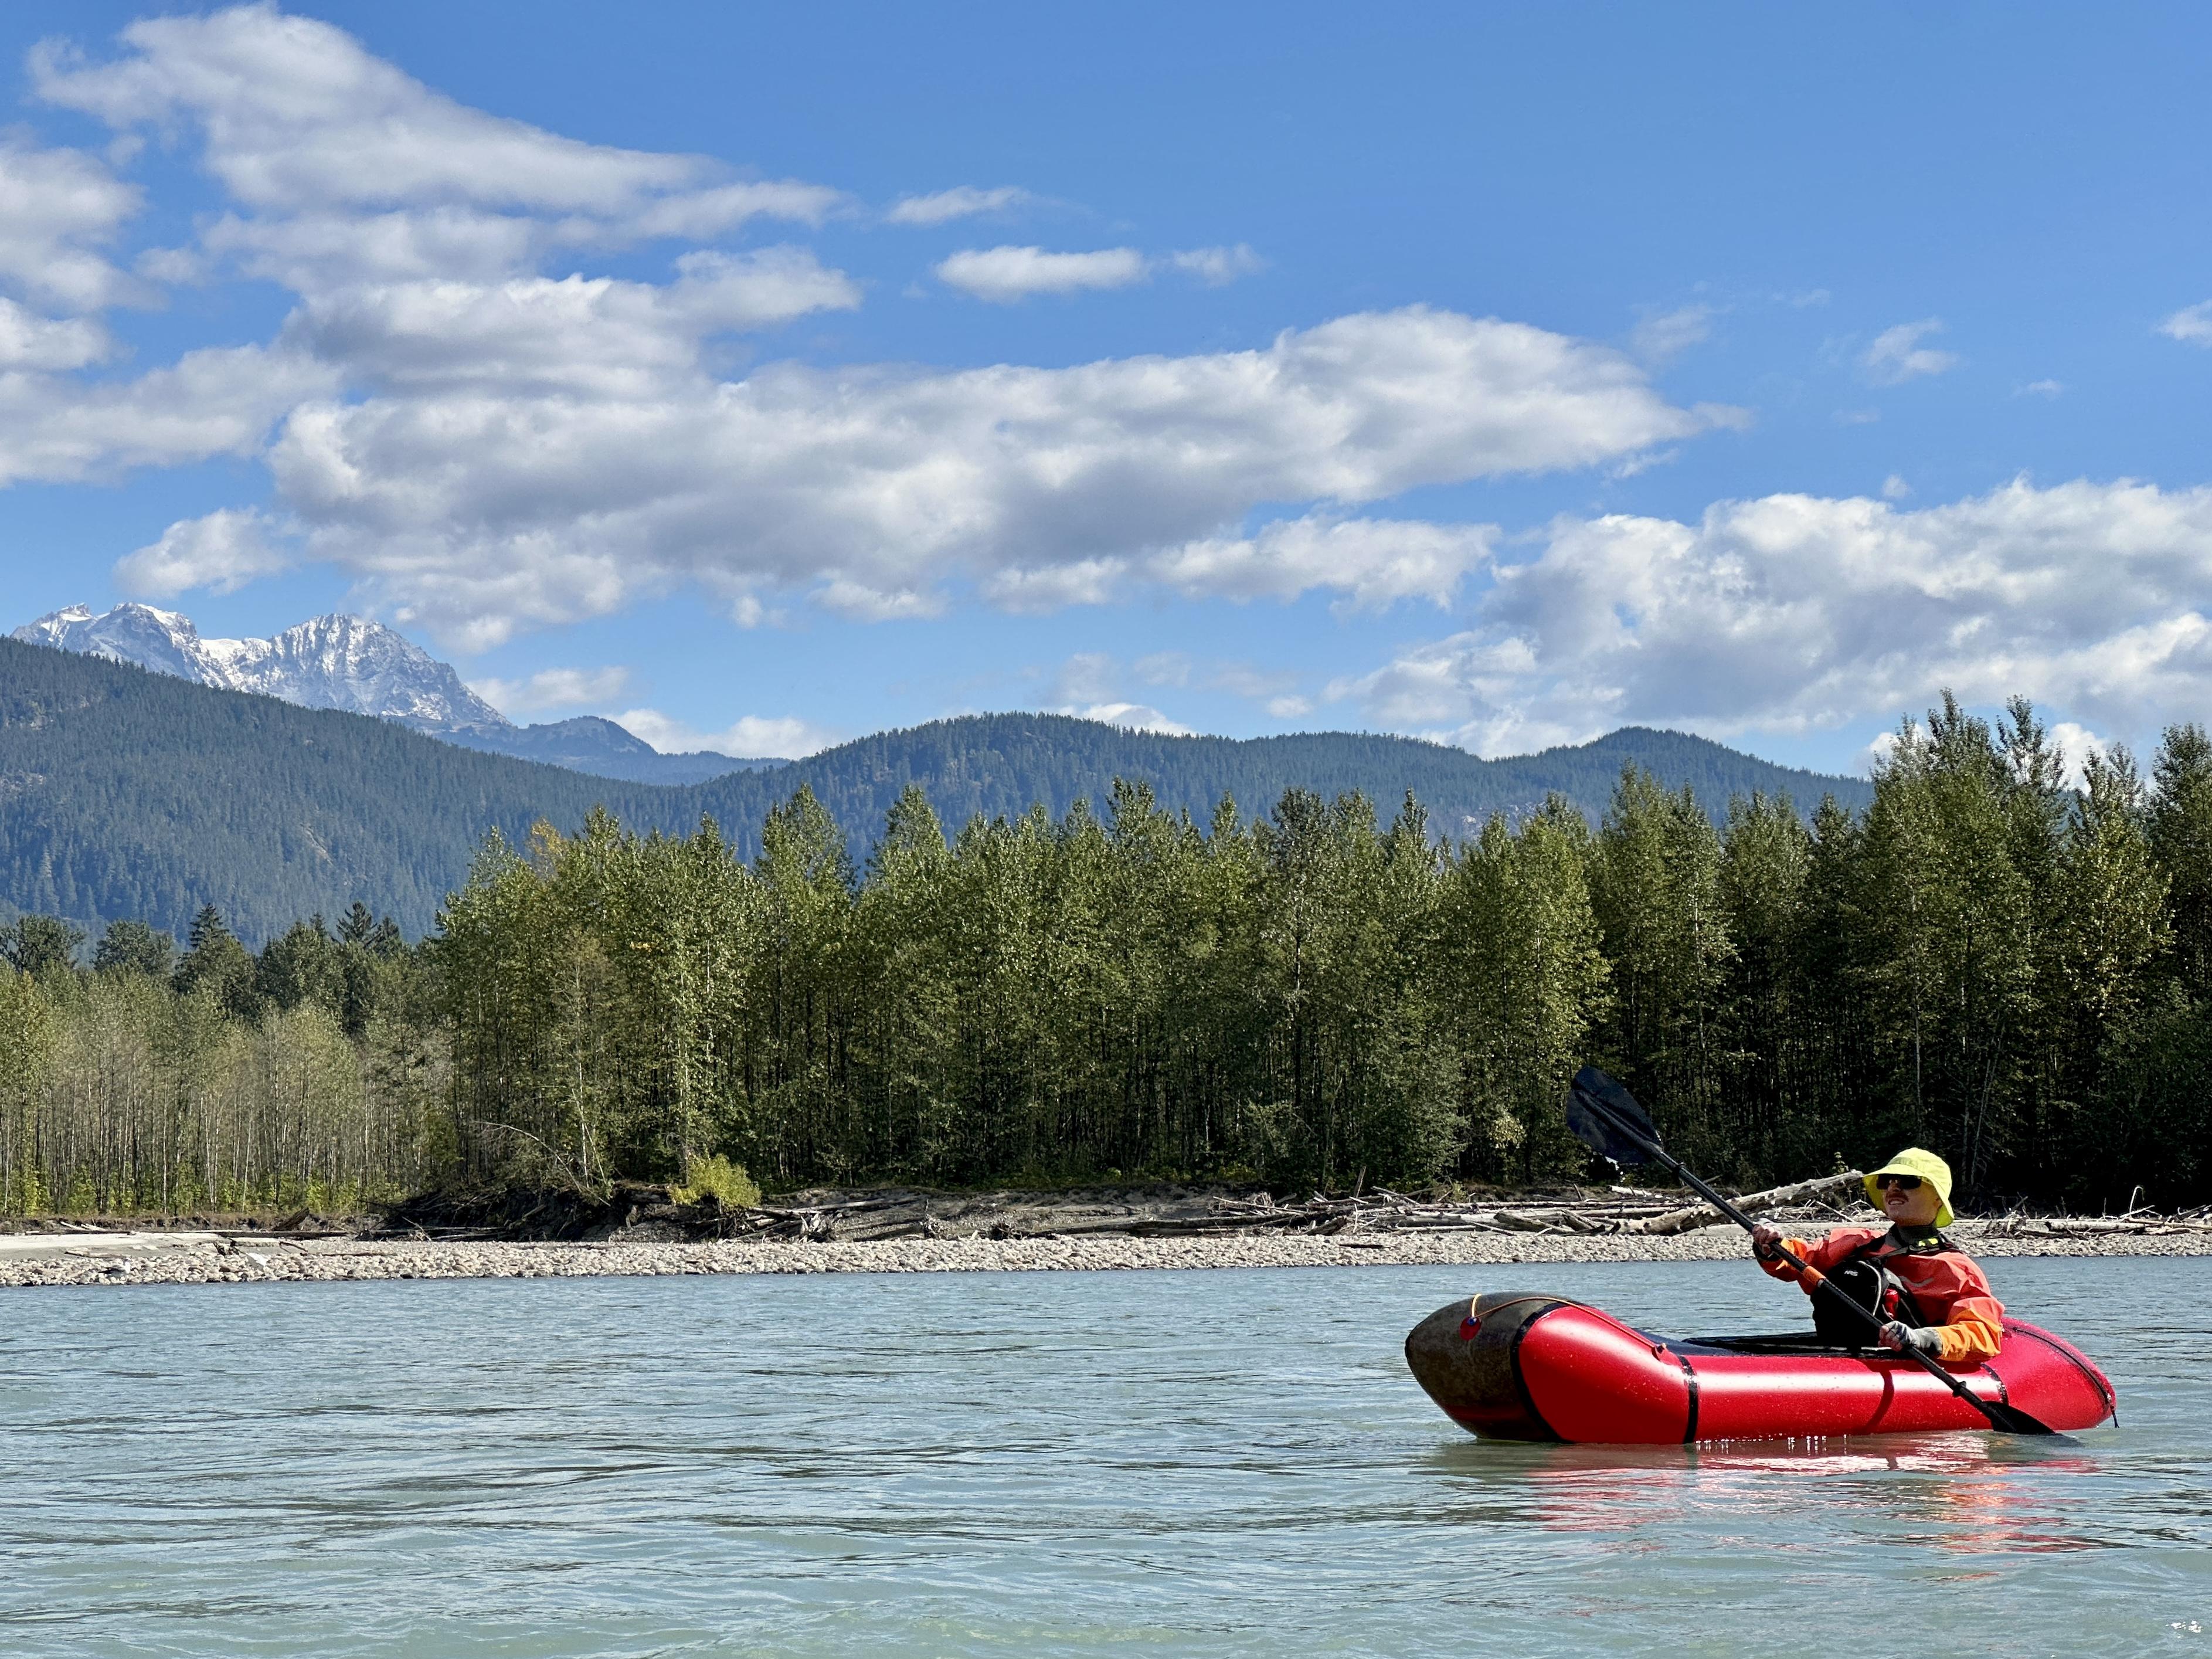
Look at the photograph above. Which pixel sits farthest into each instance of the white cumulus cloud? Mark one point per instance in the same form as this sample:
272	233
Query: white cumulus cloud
753	736
554	688
1093	685
1137	716
869	490
961	202
220	401
1003	275
298	116
2192	324
1373	563
222	552
58	209
1796	613
533	334
348	165
2076	743
1217	265
29	341
486	445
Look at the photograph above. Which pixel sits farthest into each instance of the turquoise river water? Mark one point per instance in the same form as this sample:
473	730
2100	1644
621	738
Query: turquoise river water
1217	1463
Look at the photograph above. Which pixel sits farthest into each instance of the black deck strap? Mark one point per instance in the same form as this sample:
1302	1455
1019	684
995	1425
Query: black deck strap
1521	1382
1690	1376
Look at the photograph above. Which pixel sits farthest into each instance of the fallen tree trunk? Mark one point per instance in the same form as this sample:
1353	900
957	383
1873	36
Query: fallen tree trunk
1752	1204
2093	1226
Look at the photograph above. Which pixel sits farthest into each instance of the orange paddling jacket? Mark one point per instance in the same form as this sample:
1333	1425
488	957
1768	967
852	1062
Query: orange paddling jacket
1951	1293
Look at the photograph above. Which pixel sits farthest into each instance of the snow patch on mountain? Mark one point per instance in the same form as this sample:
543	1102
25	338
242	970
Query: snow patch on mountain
349	663
332	662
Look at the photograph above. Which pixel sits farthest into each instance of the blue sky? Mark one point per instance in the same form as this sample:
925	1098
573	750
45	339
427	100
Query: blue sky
763	376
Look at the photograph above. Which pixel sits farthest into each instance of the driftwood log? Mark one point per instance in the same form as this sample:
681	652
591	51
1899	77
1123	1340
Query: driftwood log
1361	1220
2062	1227
1752	1204
1622	1210
633	1211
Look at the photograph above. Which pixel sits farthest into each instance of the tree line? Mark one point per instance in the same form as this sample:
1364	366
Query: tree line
1991	961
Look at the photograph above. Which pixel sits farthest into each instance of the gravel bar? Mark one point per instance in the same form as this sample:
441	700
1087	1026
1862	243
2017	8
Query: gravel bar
147	1260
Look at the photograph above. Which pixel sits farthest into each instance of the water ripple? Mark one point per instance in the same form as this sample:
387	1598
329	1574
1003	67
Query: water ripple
1227	1463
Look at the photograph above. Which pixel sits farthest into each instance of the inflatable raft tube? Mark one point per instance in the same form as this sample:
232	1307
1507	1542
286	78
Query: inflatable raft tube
1513	1365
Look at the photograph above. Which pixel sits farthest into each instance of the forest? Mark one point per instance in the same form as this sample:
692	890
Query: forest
1990	960
133	795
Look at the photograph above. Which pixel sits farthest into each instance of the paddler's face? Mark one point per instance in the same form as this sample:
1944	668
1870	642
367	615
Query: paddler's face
1914	1206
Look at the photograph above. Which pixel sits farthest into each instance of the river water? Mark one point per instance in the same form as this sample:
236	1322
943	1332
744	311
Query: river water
1218	1463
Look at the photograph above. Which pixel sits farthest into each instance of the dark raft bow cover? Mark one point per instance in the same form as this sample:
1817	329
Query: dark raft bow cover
1602	1130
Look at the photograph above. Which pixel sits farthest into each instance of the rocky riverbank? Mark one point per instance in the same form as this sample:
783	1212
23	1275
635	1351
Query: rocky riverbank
210	1259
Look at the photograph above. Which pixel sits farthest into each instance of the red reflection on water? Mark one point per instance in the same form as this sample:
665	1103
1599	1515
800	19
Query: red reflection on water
1961	1494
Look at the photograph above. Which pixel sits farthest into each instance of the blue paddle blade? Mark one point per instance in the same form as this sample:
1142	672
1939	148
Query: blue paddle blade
1606	1117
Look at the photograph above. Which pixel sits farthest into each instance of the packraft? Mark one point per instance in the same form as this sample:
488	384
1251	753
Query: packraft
1515	1365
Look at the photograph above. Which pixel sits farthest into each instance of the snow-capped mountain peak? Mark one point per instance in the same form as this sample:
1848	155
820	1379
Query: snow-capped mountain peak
332	662
162	641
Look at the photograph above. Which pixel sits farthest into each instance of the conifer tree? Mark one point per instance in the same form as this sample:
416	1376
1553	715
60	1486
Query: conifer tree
300	965
1528	984
40	945
2111	929
1951	926
1766	861
2180	832
131	946
1655	886
216	964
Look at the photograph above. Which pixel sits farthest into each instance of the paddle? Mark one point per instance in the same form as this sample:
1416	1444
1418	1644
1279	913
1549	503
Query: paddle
1606	1117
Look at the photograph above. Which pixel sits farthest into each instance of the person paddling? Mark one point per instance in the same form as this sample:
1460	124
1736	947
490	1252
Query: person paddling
1934	1297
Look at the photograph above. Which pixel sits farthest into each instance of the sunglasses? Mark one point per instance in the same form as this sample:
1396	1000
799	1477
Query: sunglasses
1909	1183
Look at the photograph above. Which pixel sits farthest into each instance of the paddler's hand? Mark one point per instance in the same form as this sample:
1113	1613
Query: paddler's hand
1767	1244
1897	1336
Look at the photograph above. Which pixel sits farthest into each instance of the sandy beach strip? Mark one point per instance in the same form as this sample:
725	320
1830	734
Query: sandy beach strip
59	1260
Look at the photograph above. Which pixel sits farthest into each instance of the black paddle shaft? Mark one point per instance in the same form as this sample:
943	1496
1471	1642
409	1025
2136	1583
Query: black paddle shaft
2008	1418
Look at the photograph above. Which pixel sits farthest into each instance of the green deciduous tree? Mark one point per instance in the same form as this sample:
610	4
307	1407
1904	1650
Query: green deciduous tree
1526	983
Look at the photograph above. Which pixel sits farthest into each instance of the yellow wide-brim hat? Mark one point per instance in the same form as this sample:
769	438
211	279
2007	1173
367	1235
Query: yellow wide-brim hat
1915	1161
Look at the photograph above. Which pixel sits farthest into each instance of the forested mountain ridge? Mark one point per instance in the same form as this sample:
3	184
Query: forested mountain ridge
1000	765
588	743
126	793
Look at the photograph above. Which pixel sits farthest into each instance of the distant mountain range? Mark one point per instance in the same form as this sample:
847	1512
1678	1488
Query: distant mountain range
124	793
351	663
590	744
